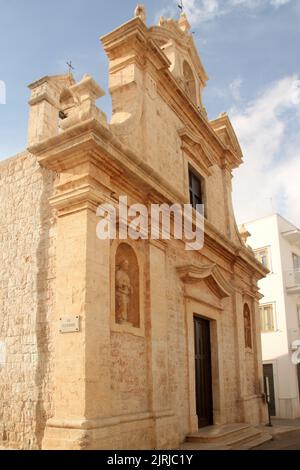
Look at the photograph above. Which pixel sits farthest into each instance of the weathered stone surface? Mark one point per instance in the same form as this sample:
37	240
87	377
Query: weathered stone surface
122	384
27	276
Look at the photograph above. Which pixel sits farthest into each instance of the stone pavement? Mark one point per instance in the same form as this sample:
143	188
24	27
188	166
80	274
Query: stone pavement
281	426
289	440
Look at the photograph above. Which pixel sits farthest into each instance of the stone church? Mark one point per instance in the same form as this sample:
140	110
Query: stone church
123	344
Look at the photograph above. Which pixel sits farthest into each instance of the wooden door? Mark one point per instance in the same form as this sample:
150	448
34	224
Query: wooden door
204	398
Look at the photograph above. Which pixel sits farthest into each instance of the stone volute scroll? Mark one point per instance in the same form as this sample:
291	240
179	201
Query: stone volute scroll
127	295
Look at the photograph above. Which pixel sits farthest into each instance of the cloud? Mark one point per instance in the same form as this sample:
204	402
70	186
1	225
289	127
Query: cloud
268	132
235	88
199	11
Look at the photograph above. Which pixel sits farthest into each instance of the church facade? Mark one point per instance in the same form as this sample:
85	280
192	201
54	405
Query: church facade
122	343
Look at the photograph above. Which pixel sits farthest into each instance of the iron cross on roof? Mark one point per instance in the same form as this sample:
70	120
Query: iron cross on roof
180	5
69	64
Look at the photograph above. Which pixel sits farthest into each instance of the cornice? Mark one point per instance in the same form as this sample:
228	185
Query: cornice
90	142
124	34
244	260
190	116
42	97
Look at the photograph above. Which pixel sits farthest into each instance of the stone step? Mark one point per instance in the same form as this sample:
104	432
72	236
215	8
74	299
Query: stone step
236	436
255	442
209	447
242	437
216	434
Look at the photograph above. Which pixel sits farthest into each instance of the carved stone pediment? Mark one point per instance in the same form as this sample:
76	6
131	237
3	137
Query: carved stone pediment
178	32
196	148
210	274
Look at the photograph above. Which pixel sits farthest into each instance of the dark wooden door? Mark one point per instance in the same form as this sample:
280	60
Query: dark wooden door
268	372
204	399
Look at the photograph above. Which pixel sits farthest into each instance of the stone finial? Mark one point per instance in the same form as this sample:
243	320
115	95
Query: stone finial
140	12
244	233
183	23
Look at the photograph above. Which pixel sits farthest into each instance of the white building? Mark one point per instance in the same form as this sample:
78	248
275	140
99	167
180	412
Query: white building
276	243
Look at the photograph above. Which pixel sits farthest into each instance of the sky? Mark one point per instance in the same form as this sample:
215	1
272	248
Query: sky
250	50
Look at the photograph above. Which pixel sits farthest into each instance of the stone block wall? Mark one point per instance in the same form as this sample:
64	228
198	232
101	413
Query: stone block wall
27	232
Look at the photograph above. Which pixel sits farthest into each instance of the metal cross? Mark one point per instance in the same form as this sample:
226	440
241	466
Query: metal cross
69	64
180	5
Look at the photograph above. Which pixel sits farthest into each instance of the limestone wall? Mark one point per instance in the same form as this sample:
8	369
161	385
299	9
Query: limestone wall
26	300
130	385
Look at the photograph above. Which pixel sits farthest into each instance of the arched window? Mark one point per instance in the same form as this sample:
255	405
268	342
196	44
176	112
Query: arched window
247	326
127	288
66	102
189	82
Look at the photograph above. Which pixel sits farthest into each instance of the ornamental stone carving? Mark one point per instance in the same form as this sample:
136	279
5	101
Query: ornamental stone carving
127	289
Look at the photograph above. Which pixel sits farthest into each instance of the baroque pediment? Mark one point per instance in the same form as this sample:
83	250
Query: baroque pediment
197	149
210	274
178	32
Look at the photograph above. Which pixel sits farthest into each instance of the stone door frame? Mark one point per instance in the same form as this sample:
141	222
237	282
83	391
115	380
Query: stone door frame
204	291
212	314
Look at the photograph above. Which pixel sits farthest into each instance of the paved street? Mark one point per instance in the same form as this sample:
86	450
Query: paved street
286	441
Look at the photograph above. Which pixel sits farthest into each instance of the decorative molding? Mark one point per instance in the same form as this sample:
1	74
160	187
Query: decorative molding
169	29
195	147
211	274
233	156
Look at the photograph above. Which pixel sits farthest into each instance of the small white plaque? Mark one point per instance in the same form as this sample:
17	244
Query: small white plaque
2	352
69	325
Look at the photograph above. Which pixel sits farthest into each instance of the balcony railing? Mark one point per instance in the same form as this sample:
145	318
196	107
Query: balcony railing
292	279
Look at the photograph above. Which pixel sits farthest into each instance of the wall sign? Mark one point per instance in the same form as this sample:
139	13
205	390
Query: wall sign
69	324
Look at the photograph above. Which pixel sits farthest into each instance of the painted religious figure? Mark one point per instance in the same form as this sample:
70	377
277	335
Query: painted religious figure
124	292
